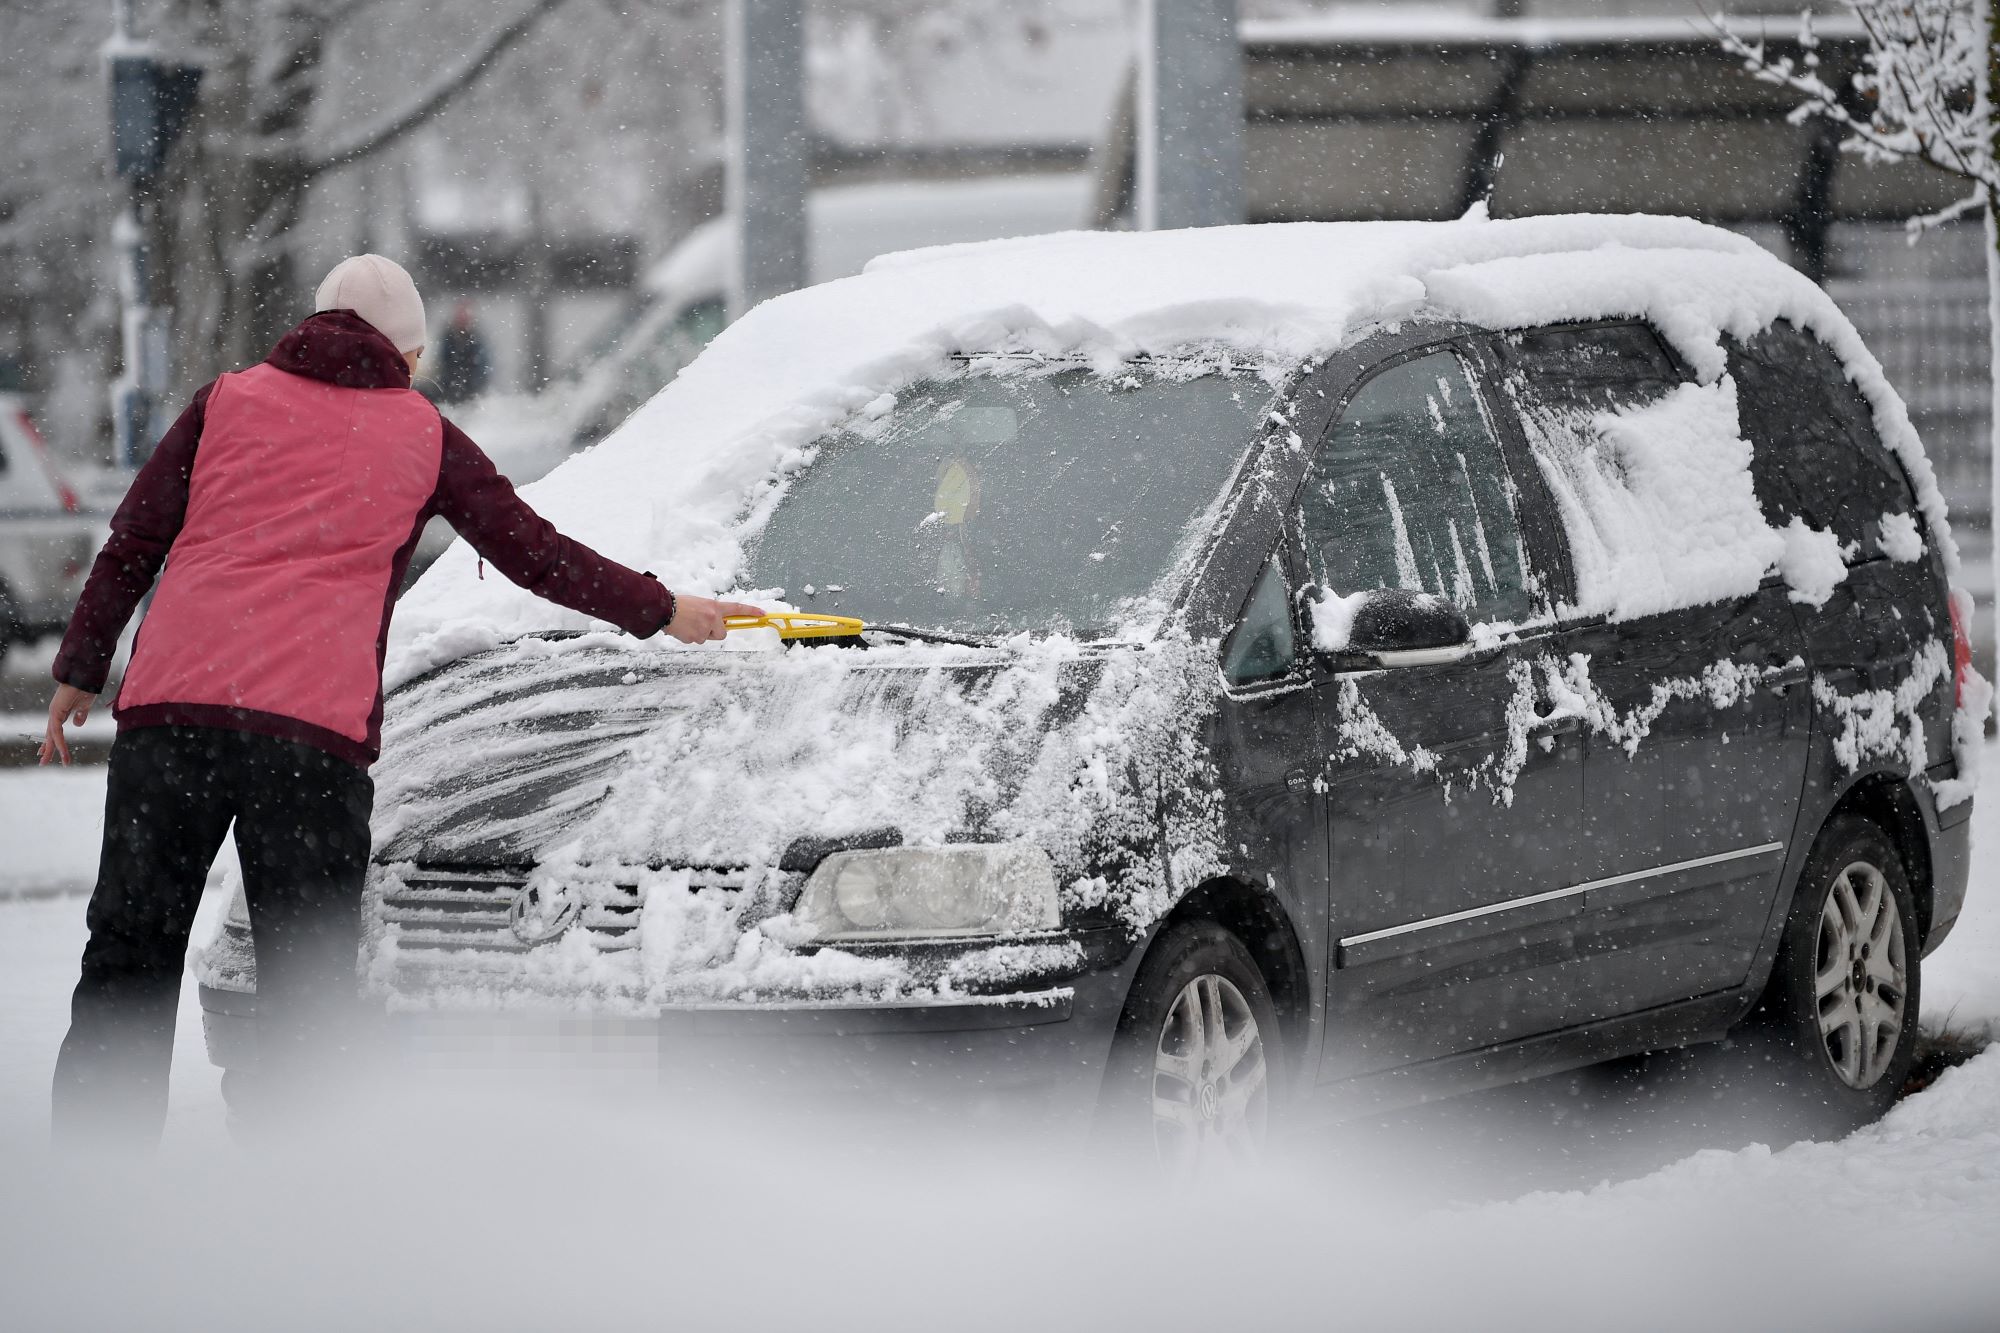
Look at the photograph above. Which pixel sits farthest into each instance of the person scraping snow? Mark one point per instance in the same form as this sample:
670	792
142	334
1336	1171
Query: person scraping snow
284	504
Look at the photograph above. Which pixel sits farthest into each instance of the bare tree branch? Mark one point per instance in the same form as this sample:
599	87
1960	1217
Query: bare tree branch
437	96
1951	212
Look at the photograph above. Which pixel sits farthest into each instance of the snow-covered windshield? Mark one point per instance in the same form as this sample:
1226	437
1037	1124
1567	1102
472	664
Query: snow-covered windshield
1045	499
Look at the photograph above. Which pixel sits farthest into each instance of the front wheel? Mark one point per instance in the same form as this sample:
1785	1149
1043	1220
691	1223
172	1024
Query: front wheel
1841	1008
1198	1060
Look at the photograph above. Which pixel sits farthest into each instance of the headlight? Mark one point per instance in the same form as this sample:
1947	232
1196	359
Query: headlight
900	892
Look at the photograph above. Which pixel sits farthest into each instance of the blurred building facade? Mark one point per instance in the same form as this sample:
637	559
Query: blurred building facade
545	193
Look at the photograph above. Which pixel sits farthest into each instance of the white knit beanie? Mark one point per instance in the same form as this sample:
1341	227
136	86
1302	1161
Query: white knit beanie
379	291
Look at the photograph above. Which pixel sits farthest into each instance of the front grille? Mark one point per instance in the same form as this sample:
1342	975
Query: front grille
434	908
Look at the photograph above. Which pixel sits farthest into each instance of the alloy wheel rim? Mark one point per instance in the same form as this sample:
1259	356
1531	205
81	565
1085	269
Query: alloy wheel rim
1211	1084
1860	975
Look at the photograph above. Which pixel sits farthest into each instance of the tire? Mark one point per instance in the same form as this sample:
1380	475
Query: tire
1837	1027
1177	1096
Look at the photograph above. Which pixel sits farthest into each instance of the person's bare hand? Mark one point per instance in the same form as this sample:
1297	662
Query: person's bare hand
699	619
69	705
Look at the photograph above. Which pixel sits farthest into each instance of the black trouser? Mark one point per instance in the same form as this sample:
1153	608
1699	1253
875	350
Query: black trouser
301	821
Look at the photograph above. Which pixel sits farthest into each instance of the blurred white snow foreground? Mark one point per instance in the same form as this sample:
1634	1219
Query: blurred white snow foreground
564	1216
448	1214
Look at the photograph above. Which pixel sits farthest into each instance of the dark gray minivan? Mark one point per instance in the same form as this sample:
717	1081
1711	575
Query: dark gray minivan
1420	786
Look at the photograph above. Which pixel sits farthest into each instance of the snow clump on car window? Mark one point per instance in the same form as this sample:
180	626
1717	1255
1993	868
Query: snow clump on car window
1901	541
1812	563
1661	511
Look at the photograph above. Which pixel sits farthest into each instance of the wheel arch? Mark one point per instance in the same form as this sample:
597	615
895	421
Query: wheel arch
1257	918
1886	800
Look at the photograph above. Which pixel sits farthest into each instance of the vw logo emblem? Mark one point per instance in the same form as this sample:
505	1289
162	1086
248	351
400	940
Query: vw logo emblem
539	914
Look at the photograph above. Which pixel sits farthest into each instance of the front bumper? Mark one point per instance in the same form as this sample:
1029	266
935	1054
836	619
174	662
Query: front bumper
1025	1054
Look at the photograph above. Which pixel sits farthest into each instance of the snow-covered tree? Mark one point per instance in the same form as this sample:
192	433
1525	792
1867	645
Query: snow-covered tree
319	122
1920	96
56	197
270	122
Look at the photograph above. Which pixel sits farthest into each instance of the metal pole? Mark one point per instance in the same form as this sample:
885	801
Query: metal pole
766	176
131	399
541	288
132	391
1190	161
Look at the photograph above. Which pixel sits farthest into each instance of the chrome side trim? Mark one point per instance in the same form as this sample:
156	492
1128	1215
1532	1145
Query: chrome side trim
1553	894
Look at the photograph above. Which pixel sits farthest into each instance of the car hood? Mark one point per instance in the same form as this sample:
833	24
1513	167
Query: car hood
597	750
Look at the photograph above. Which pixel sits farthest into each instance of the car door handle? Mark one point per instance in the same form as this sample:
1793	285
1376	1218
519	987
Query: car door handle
1780	679
1874	676
1562	724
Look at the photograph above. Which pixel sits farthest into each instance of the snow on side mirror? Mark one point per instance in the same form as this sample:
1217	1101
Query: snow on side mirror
1391	625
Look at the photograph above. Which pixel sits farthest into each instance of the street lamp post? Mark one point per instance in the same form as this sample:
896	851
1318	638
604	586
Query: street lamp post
1190	159
150	101
765	180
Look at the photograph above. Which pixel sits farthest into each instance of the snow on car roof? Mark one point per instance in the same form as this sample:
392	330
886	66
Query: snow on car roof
668	490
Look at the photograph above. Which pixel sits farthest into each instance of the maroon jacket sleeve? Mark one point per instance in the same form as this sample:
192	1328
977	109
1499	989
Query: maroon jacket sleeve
147	521
481	505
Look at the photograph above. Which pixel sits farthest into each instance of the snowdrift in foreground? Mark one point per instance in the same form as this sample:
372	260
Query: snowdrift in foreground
671	489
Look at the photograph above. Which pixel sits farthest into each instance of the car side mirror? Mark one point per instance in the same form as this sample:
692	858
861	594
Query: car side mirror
1392	625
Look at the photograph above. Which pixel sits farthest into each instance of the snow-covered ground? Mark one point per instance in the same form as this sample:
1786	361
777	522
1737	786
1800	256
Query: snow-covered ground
53	820
459	1210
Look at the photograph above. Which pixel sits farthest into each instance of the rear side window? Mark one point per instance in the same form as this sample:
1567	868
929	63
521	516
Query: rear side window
1411	491
1595	368
1650	472
1817	456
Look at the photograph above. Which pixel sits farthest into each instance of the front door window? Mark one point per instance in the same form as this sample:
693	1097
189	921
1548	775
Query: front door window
1411	491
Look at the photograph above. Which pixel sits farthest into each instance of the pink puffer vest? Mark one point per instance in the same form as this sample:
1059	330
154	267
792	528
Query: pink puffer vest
280	579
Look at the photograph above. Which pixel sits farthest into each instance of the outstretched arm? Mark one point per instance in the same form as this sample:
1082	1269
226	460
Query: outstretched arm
481	505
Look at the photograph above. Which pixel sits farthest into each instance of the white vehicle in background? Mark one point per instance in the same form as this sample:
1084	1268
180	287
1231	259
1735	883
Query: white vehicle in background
684	300
47	537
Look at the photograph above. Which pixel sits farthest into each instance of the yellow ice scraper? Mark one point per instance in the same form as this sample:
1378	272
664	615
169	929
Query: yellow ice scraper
799	625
